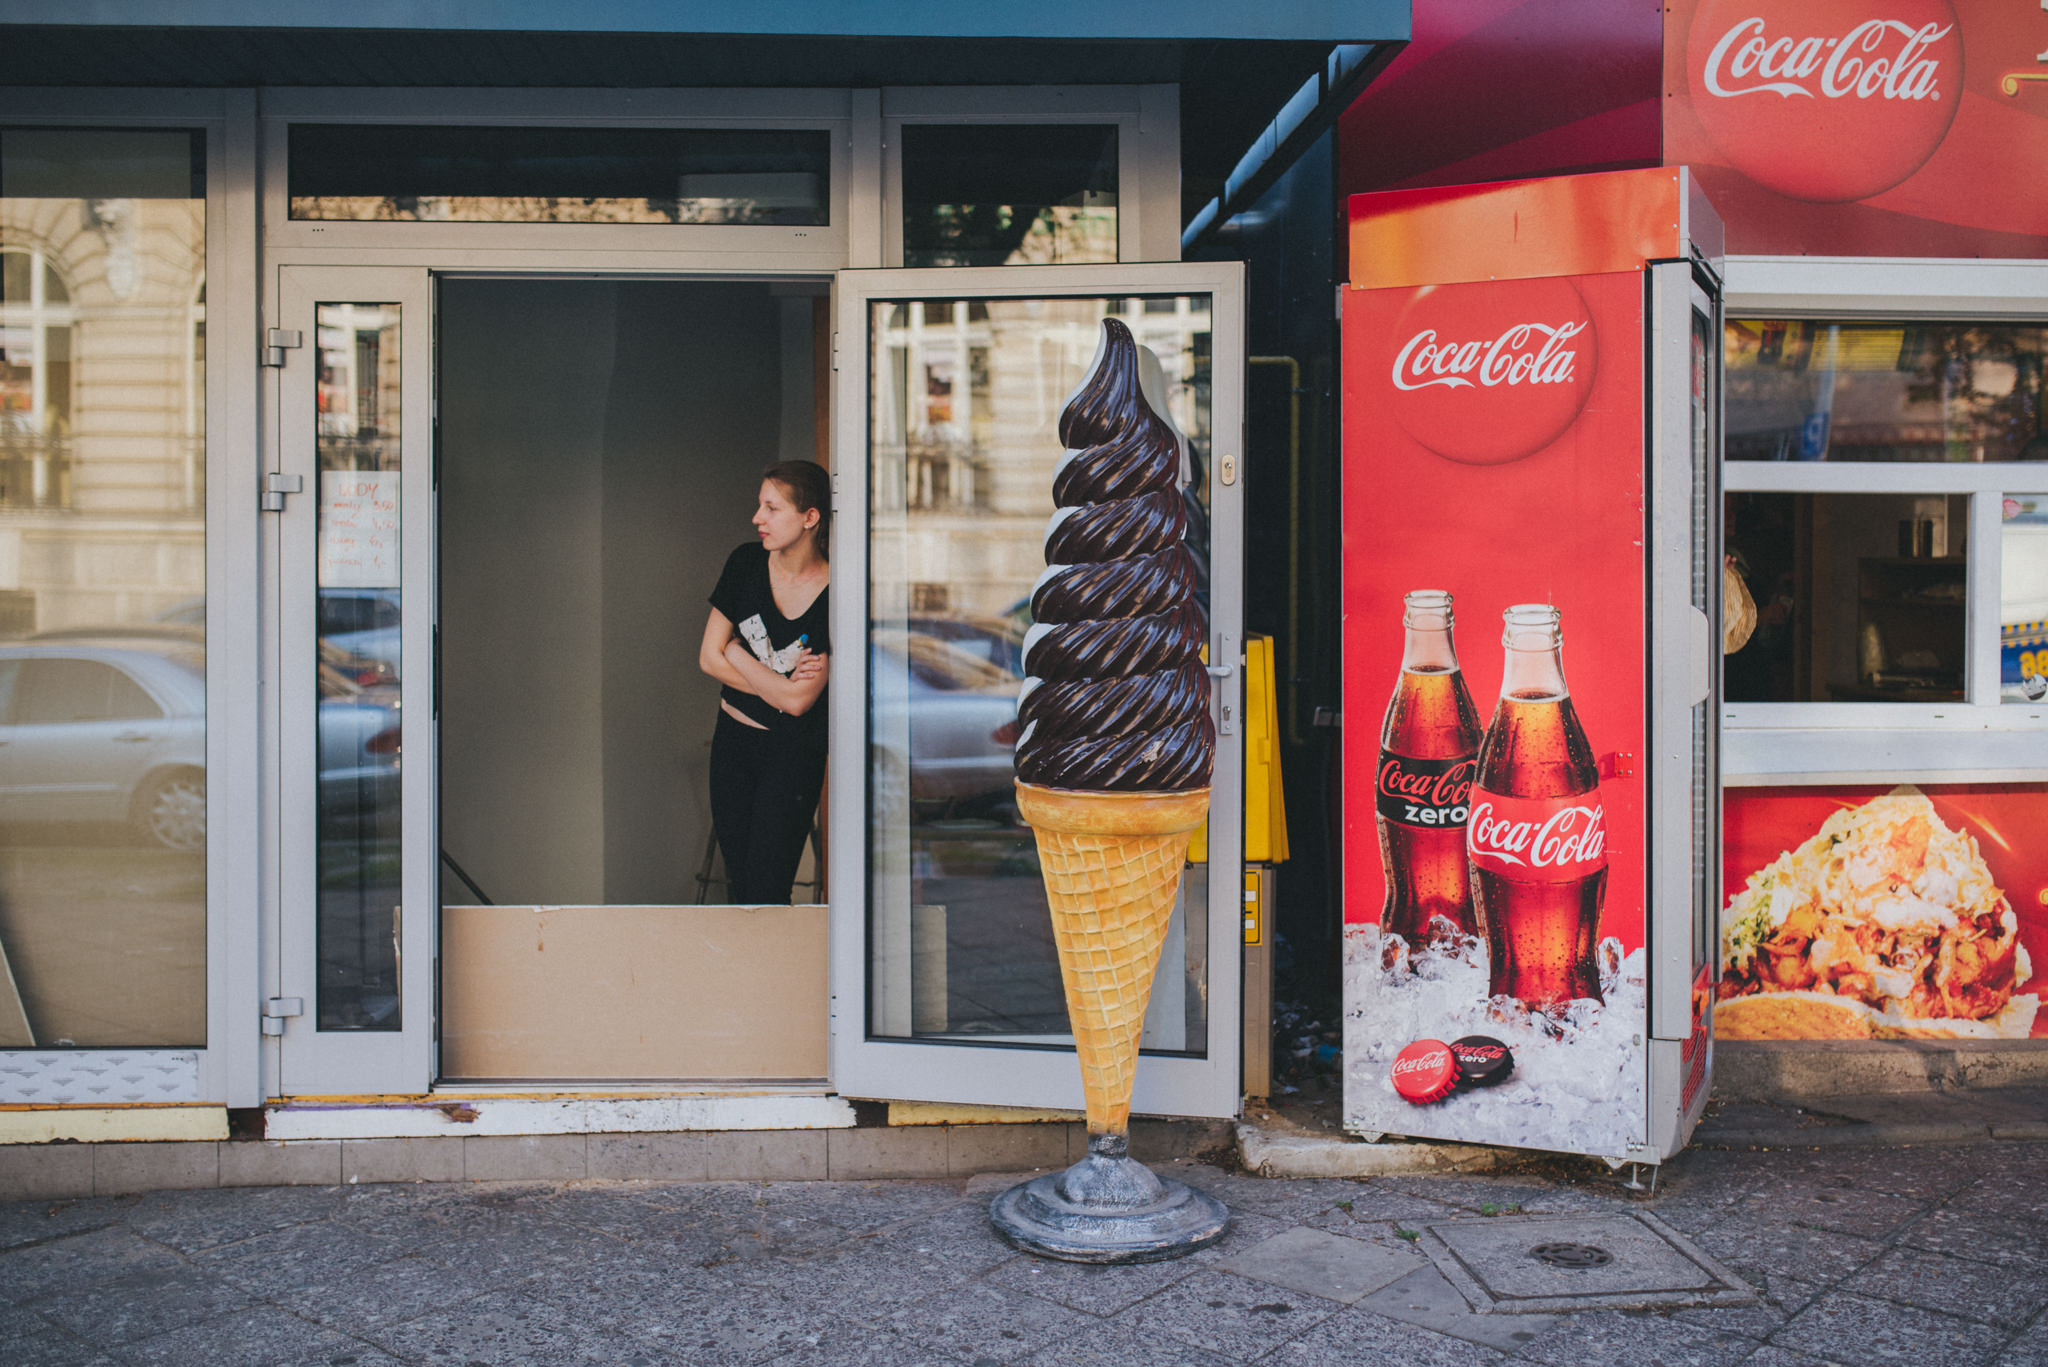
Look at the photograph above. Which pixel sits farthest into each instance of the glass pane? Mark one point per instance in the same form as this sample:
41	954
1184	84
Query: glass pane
560	175
963	442
359	406
1802	390
2023	598
102	607
1009	195
1860	597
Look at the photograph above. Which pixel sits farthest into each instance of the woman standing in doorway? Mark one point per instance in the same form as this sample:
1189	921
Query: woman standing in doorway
767	640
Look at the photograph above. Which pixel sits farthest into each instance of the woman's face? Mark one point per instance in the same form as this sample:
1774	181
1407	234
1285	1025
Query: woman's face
777	519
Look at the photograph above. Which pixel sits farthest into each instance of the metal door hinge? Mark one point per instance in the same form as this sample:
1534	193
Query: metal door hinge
276	486
277	342
278	1010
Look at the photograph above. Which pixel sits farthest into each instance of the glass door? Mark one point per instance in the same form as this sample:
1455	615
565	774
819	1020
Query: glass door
356	717
951	383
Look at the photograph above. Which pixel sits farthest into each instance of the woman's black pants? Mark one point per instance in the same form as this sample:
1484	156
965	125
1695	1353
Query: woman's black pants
764	794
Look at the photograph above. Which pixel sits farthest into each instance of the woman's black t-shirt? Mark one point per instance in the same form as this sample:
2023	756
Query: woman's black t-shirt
743	594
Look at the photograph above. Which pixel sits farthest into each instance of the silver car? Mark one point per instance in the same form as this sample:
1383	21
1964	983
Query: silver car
106	729
111	729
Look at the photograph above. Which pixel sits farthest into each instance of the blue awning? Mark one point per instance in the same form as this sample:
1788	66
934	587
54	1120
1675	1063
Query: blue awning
1322	21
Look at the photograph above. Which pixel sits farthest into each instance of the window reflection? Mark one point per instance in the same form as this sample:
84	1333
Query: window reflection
1804	390
102	577
359	408
965	398
1009	195
446	174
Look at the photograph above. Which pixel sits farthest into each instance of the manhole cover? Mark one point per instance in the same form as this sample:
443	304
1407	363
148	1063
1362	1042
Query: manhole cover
1538	1264
1571	1255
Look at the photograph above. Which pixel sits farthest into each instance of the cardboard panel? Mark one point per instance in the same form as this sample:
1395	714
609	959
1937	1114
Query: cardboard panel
633	993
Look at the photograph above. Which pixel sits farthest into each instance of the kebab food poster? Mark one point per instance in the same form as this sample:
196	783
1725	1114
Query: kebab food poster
1873	913
1493	691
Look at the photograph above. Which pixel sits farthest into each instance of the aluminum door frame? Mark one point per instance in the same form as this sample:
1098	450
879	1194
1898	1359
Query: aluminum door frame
949	1070
1685	682
313	1062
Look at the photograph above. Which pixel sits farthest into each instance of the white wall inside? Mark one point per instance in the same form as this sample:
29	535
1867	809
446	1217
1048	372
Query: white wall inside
601	447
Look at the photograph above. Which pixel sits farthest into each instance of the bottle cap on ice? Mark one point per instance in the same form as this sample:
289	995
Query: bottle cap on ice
1482	1060
1425	1071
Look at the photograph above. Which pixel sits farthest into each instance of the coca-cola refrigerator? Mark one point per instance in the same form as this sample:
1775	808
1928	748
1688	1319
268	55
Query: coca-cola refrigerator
1531	571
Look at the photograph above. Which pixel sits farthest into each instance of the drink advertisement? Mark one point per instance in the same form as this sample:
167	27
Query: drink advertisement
1884	913
1494	700
1864	127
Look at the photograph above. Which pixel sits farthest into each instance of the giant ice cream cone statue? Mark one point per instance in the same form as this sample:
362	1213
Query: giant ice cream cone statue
1113	771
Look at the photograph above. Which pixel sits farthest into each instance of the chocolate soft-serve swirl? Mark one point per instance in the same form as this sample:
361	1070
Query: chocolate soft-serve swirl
1118	700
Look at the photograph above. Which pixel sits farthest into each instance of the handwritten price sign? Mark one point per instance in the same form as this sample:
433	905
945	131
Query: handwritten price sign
359	529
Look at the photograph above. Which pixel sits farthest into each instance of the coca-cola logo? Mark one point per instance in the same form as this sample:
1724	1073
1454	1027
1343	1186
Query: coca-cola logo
1429	793
1826	100
1490	371
1429	1061
1537	839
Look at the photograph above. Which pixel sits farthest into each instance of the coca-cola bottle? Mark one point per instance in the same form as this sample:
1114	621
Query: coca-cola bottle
1429	747
1537	832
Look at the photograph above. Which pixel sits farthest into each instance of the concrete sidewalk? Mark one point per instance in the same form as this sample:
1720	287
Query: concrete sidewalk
1931	1255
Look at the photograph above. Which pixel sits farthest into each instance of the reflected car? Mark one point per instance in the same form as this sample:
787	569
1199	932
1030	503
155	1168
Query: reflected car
108	729
111	730
363	623
997	640
944	721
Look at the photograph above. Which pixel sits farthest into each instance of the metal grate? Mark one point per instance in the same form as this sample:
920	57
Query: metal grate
1571	1255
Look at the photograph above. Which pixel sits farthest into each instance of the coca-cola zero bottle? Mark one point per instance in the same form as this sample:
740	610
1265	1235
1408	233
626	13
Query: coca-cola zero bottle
1537	830
1429	747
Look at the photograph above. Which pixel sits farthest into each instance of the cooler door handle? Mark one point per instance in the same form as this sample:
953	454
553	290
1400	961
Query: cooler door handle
1220	671
1703	644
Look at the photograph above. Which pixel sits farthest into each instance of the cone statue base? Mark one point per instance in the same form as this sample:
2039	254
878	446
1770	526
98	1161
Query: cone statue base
1108	1208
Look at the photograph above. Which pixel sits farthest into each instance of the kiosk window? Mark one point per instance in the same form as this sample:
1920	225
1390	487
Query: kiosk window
1009	195
1885	391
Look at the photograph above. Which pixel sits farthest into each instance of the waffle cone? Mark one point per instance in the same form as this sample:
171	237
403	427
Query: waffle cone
1111	864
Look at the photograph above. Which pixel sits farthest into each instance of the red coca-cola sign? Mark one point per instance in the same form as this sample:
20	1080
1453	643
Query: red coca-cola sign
1537	839
1491	371
1826	100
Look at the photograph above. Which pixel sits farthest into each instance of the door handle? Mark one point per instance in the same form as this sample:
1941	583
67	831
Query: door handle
1220	671
133	737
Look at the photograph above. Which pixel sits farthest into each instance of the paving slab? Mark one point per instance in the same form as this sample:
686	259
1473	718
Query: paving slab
1611	1337
1357	1336
1427	1299
1846	1328
1225	1313
2008	1294
1323	1264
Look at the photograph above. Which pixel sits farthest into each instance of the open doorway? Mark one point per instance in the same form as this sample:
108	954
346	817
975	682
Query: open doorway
601	446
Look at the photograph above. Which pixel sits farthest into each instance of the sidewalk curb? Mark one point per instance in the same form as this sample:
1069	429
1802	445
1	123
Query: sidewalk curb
1275	1153
1831	1136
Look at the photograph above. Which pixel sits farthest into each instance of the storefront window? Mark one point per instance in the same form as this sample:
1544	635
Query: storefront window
965	402
102	583
2023	599
499	174
1883	391
1859	597
1009	195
